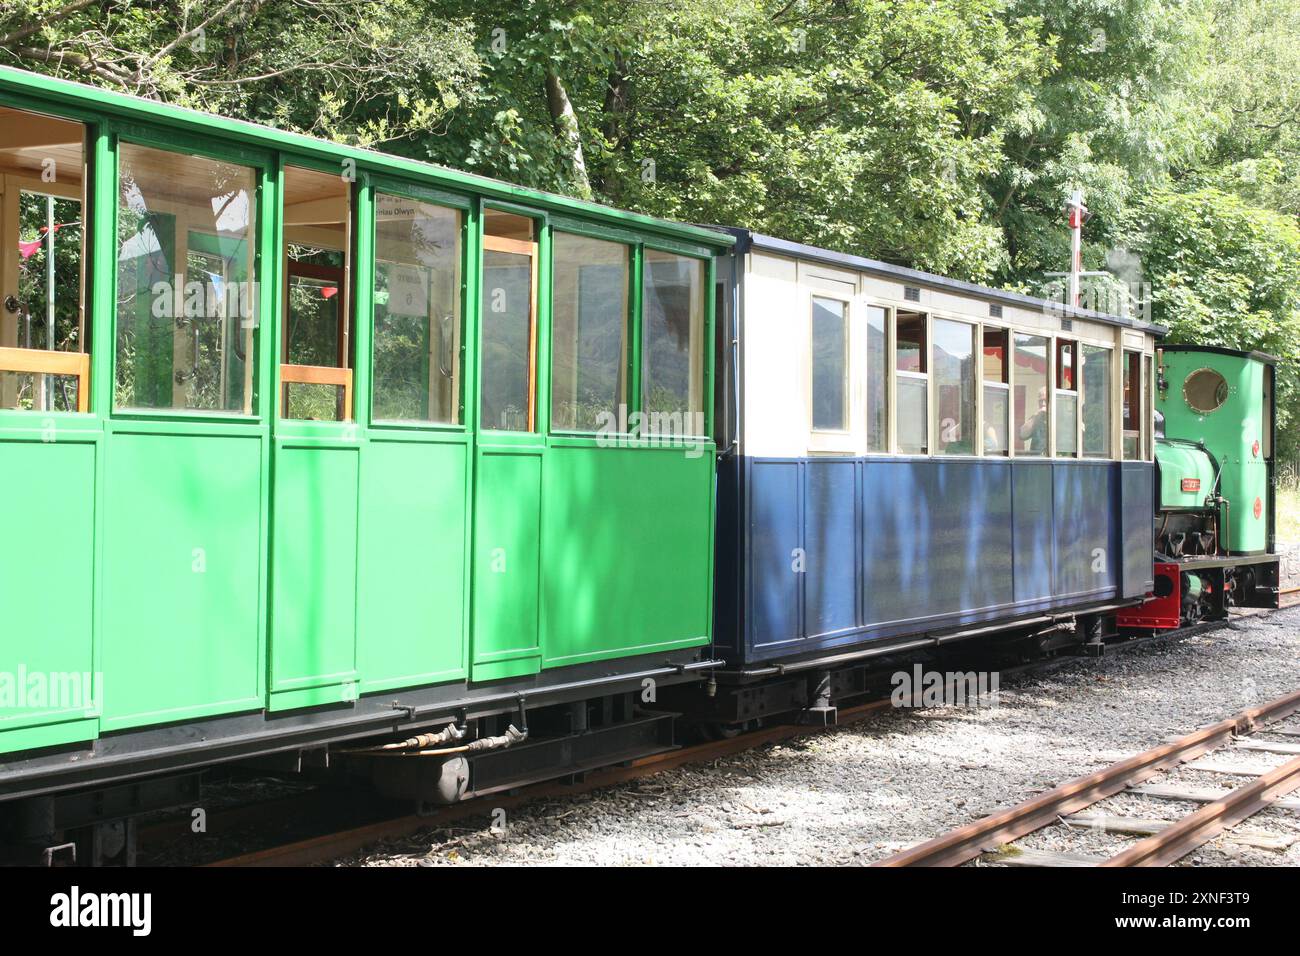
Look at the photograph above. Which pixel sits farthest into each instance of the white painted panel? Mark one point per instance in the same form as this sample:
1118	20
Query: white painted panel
776	359
777	296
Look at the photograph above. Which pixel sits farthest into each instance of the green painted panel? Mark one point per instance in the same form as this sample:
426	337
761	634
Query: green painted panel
507	530
625	573
314	567
1233	432
411	619
46	586
1179	463
48	735
182	572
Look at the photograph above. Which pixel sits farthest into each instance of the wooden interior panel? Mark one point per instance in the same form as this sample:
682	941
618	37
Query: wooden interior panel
507	225
28	139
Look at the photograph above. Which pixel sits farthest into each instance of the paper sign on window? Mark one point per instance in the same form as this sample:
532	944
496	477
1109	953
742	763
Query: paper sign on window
408	290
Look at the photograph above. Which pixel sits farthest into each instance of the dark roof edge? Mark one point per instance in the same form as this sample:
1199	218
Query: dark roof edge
1221	350
745	240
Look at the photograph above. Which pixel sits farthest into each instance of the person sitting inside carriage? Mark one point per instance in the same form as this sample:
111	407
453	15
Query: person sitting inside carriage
1034	430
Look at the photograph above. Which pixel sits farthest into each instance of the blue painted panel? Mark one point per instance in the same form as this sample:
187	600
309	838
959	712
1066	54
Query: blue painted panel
970	543
1137	491
909	546
1087	529
938	538
831	542
897	520
774	535
1032	537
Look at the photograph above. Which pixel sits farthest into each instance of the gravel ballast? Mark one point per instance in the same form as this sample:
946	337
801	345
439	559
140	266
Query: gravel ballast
857	793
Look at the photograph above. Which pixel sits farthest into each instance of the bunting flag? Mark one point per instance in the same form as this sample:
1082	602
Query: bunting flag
329	291
29	249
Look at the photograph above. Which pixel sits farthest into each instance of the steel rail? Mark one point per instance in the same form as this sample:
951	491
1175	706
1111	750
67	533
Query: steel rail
1194	831
967	842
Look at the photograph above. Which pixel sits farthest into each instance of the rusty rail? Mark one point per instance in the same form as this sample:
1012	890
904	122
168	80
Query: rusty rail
966	843
1198	829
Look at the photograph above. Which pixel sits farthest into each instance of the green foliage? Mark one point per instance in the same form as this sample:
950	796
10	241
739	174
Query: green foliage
865	126
1223	272
365	74
1101	120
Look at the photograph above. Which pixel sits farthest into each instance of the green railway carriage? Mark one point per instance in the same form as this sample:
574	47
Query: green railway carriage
305	442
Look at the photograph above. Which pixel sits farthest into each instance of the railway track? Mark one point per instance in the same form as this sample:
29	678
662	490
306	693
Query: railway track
350	839
993	838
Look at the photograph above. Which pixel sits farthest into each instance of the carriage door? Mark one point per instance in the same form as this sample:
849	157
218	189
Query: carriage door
47	457
317	450
508	476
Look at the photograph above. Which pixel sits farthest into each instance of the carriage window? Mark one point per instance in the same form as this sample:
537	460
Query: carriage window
672	364
997	392
1133	404
1029	400
417	311
43	365
912	382
1065	363
1067	399
316	347
1095	374
954	387
509	330
830	367
877	379
909	349
589	312
186	288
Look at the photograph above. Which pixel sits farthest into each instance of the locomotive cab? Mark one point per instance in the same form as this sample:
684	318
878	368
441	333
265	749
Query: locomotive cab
1214	515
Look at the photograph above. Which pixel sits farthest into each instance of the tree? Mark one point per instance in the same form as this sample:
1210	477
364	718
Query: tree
1225	273
310	65
863	125
1108	118
1247	102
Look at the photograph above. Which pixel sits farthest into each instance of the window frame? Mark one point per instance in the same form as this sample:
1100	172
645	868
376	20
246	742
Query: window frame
1077	338
633	246
1061	342
890	366
896	374
1050	374
708	319
539	392
265	167
99	253
830	439
1148	405
1115	399
1139	398
1004	386
40	362
358	287
977	354
464	204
